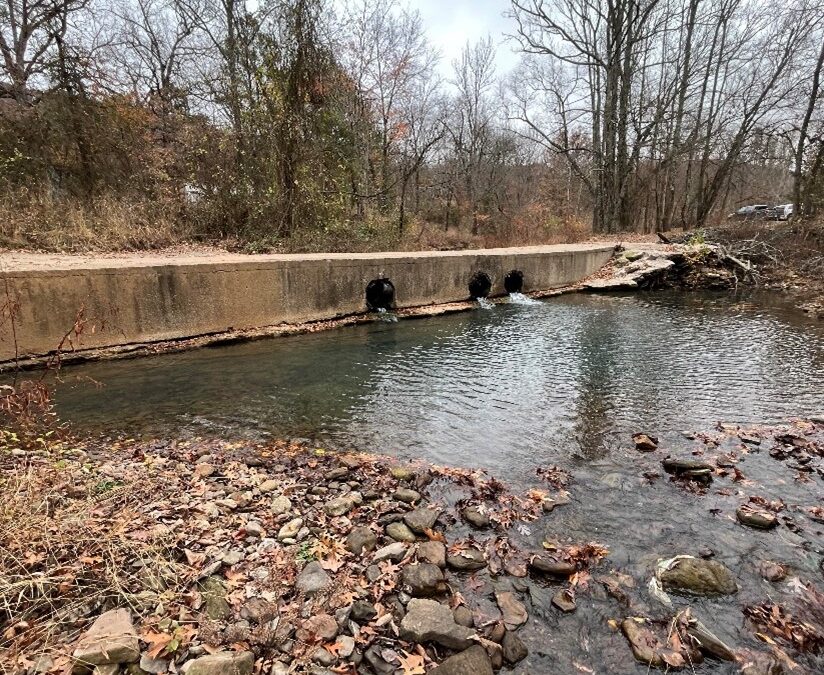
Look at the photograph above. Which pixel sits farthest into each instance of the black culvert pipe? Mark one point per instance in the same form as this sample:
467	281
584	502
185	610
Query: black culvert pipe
479	285
380	294
514	281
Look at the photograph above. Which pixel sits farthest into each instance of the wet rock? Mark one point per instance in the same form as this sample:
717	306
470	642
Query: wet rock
290	529
430	621
110	639
475	516
645	443
394	552
400	532
761	519
281	505
697	576
423	579
361	540
363	611
472	661
761	664
432	552
214	595
772	571
708	641
514	649
421	520
463	616
645	646
312	579
692	469
551	566
469	560
407	495
513	611
564	600
269	486
222	663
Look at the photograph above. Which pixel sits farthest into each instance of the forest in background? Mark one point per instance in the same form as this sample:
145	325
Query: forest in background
312	125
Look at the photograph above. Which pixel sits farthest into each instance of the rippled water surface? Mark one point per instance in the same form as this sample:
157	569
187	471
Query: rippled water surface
562	382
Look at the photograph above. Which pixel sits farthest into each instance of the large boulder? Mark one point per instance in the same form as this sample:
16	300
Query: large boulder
430	621
111	639
697	576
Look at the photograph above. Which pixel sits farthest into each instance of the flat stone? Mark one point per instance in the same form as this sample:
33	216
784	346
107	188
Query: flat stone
222	663
423	579
761	519
421	520
432	552
406	495
361	540
475	516
430	621
312	579
513	611
110	639
472	661
694	469
269	485
153	666
611	284
469	560
551	566
564	600
394	552
400	532
290	530
697	576
514	649
340	505
645	442
281	505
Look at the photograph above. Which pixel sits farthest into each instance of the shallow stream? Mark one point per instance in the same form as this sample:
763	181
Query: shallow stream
562	382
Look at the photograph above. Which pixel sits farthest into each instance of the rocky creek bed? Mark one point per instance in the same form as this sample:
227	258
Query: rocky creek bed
209	556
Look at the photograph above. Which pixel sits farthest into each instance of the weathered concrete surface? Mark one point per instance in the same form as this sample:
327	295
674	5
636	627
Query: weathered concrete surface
90	303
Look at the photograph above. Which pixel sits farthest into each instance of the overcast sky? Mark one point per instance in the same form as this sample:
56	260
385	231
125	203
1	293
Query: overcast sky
451	23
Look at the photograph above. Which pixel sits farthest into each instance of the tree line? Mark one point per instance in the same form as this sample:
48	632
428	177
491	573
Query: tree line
306	123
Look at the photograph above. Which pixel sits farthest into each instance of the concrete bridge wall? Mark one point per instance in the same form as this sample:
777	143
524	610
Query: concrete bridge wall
146	299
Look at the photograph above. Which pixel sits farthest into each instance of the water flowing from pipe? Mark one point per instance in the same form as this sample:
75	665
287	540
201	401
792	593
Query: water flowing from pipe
521	299
485	303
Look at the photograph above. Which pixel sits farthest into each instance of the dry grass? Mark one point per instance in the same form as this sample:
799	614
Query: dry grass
71	545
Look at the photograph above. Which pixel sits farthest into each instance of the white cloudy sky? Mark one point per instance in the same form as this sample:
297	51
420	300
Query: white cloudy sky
451	23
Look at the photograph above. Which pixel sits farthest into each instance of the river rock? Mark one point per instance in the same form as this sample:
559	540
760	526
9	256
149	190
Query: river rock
214	595
514	649
321	626
281	505
513	611
361	540
421	520
290	529
475	516
312	579
324	657
645	443
269	485
472	661
645	646
463	616
394	552
430	621
432	552
222	663
110	639
400	532
346	645
423	579
551	566
761	519
697	576
406	495
363	611
564	600
342	505
693	469
469	560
